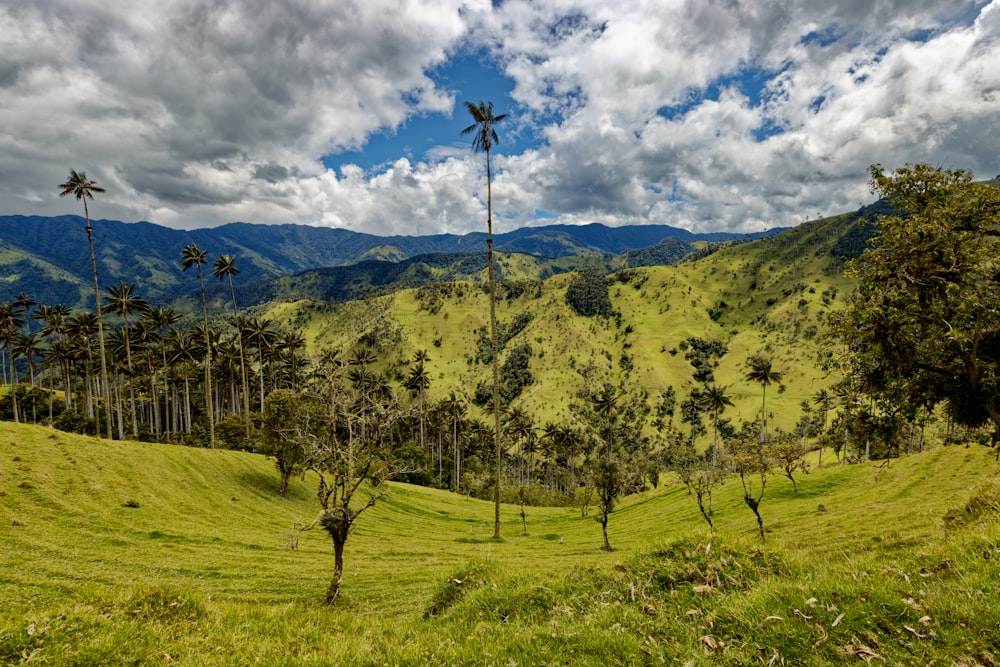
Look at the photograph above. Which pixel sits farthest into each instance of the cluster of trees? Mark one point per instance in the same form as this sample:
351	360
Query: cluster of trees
922	330
141	377
166	380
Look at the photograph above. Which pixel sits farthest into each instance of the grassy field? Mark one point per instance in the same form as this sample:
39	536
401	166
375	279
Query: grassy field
127	553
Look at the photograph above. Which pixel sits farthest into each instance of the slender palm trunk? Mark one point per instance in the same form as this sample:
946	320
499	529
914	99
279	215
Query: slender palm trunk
493	347
13	386
763	413
105	385
209	409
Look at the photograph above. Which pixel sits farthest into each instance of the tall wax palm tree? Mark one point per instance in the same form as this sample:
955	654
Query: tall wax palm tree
54	318
822	400
264	337
604	403
29	346
162	318
81	328
291	342
715	399
762	372
417	381
25	302
225	267
122	300
484	136
191	255
455	407
83	189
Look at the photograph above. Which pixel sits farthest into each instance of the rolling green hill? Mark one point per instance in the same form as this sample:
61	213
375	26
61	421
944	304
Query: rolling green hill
119	553
770	295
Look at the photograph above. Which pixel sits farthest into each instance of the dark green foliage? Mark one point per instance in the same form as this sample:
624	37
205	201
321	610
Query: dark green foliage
703	355
854	241
505	332
922	325
75	422
587	293
514	374
665	253
514	377
287	415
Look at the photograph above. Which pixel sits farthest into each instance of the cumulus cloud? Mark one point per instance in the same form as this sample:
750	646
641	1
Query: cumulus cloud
702	114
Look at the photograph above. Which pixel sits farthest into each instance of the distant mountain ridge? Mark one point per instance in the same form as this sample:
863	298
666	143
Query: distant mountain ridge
48	259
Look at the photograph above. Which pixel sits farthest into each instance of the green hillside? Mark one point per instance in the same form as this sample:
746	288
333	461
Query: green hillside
120	553
770	295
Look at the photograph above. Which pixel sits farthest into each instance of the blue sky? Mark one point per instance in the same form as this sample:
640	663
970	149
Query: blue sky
346	113
472	77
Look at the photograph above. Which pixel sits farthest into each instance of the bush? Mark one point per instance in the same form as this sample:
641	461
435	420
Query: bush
72	421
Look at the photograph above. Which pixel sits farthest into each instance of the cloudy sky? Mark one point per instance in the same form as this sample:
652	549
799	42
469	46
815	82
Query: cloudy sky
706	114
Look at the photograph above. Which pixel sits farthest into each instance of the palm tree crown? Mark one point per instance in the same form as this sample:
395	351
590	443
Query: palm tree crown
81	187
485	135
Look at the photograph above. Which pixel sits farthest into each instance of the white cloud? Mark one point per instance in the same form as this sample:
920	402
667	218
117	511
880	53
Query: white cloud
199	113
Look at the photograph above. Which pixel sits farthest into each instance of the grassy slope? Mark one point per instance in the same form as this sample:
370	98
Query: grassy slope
199	572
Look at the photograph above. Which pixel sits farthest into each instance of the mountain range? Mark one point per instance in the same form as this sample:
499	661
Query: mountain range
48	257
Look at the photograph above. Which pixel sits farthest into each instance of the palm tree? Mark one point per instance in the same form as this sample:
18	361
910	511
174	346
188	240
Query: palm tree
715	400
484	136
28	345
10	322
418	380
55	325
80	327
161	318
455	407
83	189
123	301
604	403
761	371
191	255
291	342
225	266
264	337
25	302
822	401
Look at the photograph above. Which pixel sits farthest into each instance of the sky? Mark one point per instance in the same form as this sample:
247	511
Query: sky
711	115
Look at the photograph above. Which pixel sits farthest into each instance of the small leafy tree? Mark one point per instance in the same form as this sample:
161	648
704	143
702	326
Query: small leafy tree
290	420
607	478
351	452
751	463
787	451
703	481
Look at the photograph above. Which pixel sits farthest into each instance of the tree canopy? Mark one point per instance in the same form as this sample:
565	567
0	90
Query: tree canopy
924	325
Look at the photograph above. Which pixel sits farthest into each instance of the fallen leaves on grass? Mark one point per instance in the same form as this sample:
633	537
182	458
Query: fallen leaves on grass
862	651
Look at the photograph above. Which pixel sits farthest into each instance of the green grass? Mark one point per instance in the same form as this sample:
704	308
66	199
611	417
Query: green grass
128	553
